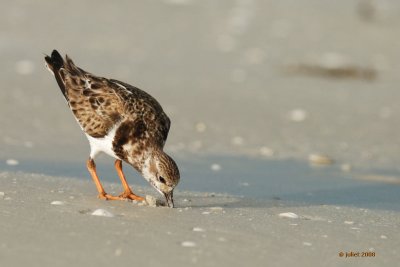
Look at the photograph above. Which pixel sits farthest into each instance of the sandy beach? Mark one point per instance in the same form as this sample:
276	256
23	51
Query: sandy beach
285	125
49	221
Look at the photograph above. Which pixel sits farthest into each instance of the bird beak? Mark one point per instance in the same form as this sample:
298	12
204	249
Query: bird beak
169	199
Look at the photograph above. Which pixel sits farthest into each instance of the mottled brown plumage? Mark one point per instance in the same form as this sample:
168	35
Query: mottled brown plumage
125	118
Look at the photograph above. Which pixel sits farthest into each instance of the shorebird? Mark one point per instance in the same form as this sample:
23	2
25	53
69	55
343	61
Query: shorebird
122	121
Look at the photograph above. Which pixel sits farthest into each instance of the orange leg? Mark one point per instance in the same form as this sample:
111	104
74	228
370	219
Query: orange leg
127	194
92	170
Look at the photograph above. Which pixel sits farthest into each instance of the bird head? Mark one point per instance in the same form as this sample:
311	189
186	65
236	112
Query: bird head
162	173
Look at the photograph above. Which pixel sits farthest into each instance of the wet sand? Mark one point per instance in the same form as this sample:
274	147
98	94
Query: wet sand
48	221
287	180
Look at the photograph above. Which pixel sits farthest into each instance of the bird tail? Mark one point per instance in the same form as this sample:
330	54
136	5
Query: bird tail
54	64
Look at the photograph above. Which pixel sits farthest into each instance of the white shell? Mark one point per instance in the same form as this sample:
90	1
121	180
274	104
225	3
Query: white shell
103	213
57	202
290	215
12	162
188	244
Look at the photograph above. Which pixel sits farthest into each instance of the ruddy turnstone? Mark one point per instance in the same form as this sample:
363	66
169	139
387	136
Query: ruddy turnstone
122	121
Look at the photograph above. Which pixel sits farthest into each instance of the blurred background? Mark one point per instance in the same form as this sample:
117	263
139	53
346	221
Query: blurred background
255	78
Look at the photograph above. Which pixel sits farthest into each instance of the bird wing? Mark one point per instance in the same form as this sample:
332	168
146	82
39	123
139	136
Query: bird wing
96	106
99	103
143	107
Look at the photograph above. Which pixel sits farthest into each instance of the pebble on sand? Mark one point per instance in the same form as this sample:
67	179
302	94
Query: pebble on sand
290	215
188	244
151	201
198	229
12	162
103	213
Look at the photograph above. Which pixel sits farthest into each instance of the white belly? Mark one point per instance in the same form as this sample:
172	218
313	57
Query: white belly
104	144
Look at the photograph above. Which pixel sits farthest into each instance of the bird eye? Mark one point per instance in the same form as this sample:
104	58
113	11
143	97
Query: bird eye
162	180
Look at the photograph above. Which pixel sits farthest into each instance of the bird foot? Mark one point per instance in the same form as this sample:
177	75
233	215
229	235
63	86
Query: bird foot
106	196
123	196
131	196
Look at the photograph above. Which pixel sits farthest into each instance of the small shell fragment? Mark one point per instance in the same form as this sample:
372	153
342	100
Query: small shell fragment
188	244
103	213
198	229
215	167
12	162
290	215
297	115
57	202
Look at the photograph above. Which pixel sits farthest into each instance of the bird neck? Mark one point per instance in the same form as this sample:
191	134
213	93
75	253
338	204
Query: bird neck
147	164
